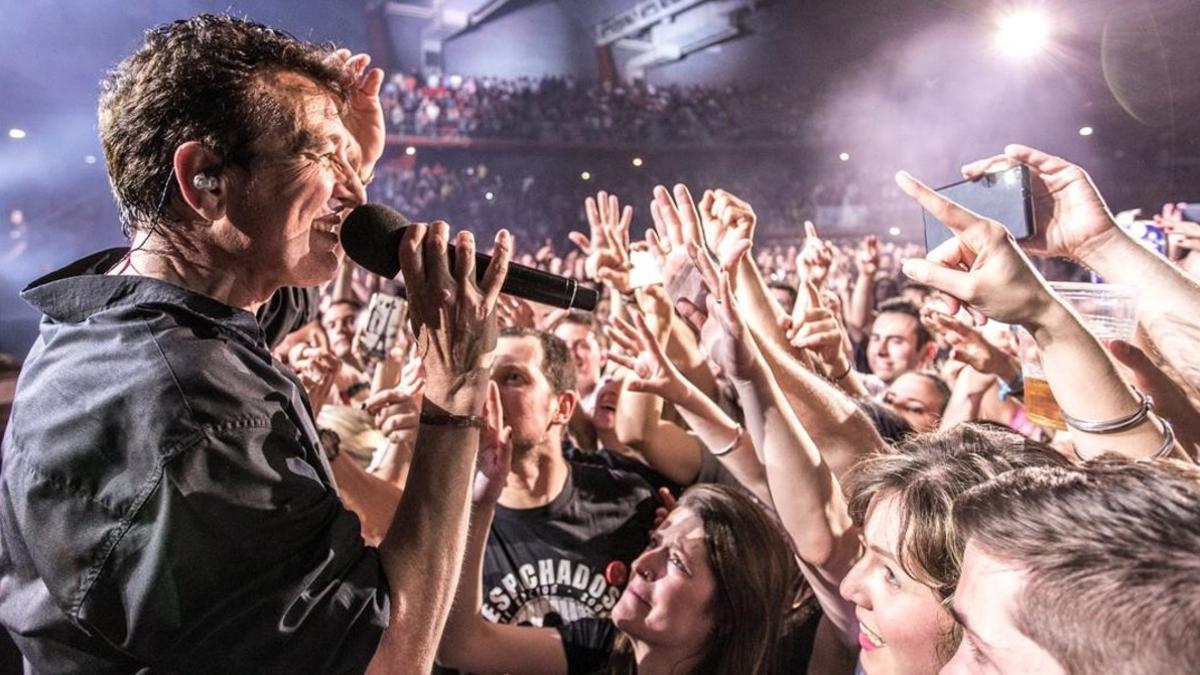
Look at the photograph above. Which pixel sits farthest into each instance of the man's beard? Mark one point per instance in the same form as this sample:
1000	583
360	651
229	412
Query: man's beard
523	448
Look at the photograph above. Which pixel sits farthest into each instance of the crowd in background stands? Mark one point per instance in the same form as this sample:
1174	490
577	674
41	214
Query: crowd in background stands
566	110
542	199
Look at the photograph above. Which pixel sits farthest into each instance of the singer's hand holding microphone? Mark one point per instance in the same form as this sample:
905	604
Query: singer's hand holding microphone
452	293
372	233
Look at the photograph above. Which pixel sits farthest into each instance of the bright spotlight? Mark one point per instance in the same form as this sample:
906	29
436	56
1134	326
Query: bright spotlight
845	157
489	196
894	231
16	133
637	161
410	151
1023	33
586	175
1086	131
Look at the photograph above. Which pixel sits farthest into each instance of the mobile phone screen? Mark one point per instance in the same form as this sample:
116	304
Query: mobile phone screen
385	314
1004	196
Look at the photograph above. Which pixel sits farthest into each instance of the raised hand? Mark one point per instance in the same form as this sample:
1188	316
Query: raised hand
1181	233
453	318
495	451
728	221
1071	216
668	505
607	248
816	257
981	266
317	368
724	333
968	345
866	258
363	114
677	224
515	312
635	348
815	327
397	410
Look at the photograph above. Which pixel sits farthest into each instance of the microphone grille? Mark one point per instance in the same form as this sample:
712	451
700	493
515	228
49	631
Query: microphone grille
371	237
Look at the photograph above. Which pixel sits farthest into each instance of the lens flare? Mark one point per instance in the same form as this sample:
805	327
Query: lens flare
1023	34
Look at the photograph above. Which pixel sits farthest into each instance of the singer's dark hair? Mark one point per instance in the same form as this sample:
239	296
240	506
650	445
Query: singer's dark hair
204	79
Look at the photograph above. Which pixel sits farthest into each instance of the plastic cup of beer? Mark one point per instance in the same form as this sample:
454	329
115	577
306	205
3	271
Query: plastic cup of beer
1108	310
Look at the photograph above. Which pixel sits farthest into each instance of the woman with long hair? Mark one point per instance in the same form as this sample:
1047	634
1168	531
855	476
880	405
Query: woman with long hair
712	593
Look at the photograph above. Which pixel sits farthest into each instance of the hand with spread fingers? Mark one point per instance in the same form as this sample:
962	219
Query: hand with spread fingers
968	345
607	247
453	317
676	225
636	348
516	312
1071	218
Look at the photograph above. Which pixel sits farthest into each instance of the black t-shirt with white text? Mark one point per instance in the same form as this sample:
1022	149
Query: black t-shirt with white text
546	566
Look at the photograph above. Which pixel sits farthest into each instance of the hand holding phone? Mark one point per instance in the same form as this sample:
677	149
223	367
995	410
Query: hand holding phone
385	315
1004	196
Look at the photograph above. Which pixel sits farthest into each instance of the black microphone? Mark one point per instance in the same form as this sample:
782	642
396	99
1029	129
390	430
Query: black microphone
371	237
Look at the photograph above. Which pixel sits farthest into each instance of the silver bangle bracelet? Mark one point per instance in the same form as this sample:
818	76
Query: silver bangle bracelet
1111	426
1168	444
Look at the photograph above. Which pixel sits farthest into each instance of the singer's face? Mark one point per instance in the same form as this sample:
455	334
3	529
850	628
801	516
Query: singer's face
286	210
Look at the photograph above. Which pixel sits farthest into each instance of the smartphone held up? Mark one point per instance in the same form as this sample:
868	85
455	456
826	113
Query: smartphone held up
1004	196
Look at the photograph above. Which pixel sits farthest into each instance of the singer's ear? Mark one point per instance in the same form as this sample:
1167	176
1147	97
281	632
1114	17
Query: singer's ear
198	177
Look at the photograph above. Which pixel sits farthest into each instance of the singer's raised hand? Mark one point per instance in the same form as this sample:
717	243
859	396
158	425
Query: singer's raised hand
363	114
453	318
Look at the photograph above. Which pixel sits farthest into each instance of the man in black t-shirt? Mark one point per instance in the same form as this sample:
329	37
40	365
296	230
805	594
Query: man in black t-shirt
565	532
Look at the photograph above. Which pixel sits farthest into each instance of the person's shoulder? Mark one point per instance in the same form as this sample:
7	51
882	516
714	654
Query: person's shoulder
217	372
598	481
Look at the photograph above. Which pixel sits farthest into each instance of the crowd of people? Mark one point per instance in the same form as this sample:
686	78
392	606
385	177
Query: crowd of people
232	449
565	110
542	198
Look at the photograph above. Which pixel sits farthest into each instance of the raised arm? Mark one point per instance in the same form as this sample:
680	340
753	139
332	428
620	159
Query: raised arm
455	323
397	414
845	432
862	298
983	266
655	375
807	496
1073	221
471	642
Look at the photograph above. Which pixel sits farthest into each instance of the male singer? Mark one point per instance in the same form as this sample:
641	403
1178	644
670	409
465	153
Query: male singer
164	501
